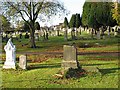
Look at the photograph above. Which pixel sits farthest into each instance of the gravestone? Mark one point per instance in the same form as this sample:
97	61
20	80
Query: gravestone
98	34
10	55
65	33
70	57
115	33
23	62
73	34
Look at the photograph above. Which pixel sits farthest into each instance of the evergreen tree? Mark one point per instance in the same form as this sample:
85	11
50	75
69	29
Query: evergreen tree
97	14
37	26
86	13
72	22
66	23
78	20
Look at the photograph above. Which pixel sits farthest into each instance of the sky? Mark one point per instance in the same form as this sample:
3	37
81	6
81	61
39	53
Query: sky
74	6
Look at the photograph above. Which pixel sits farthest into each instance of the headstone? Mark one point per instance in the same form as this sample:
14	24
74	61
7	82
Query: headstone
23	62
98	34
65	34
46	35
10	55
37	36
77	34
70	57
88	31
115	33
73	34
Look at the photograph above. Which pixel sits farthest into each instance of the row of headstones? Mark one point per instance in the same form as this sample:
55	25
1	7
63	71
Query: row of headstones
45	33
109	30
69	56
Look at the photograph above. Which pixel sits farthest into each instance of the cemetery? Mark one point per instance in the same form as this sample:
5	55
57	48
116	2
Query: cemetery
81	53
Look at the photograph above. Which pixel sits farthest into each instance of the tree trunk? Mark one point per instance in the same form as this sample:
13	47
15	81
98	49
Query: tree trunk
32	39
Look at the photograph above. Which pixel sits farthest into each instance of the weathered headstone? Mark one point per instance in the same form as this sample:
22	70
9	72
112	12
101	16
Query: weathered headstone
98	34
23	62
10	55
115	33
65	33
73	34
70	57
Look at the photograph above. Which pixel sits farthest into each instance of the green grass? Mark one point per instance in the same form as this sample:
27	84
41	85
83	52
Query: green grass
41	75
54	43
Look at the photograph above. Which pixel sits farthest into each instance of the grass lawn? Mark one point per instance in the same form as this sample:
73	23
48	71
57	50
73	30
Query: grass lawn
41	75
56	44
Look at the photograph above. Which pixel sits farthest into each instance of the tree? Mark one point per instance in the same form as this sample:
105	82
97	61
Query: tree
72	25
72	22
5	23
66	24
97	14
116	11
86	13
20	25
78	20
26	27
32	10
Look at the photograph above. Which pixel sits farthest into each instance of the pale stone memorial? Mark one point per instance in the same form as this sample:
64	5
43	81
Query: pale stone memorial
70	57
98	34
10	55
23	62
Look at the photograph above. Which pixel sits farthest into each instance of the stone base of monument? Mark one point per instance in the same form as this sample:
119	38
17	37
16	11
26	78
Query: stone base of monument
90	68
9	65
70	73
69	64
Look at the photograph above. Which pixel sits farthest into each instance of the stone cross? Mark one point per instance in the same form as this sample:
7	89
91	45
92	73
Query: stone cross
10	55
23	62
70	57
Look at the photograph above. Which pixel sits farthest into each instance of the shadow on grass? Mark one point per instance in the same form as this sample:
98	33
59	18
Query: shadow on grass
30	80
108	70
54	65
96	64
